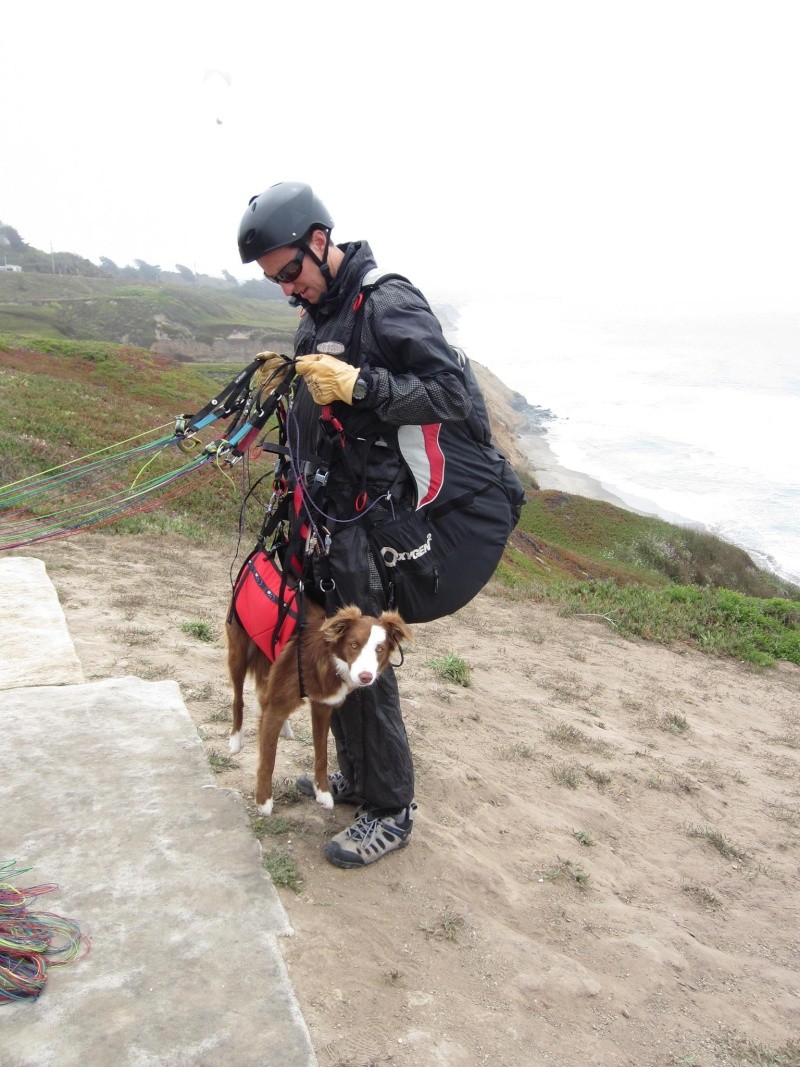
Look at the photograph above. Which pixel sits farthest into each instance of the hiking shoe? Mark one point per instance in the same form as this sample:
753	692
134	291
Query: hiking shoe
370	838
338	787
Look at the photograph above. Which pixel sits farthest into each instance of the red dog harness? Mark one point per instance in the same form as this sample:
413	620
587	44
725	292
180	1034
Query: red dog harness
265	606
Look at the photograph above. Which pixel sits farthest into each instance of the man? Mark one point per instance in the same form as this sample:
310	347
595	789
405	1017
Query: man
350	401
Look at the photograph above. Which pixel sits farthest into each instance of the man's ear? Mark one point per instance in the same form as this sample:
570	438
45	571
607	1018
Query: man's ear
316	242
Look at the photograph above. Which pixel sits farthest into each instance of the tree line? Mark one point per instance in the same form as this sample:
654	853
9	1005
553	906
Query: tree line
35	261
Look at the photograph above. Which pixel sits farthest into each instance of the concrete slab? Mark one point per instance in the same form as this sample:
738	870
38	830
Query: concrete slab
105	790
36	648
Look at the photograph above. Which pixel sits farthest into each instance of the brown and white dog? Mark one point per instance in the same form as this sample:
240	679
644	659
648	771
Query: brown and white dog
337	655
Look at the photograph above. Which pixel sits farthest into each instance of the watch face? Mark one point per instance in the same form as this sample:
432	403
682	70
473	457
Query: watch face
359	389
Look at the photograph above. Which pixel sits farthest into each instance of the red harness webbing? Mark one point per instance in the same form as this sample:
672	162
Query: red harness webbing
268	618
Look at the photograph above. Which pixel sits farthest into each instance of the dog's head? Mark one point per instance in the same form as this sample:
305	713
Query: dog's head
363	644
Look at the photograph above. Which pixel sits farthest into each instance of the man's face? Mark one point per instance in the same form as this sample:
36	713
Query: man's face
309	283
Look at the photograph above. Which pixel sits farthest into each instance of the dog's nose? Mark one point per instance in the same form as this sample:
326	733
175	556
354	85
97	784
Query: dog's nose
365	677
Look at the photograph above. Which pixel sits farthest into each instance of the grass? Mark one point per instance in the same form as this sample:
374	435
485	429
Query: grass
282	869
567	774
567	870
673	723
273	826
704	896
722	844
566	687
220	762
568	736
750	1053
611	543
451	667
201	630
285	791
446	927
718	621
519	750
601	779
108	309
784	813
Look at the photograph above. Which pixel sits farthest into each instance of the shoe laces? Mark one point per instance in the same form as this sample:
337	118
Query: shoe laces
366	823
363	827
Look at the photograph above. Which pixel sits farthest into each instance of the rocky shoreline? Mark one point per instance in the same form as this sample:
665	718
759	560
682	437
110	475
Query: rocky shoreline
520	432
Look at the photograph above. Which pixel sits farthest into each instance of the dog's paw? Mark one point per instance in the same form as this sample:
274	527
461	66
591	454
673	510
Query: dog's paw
265	808
235	742
325	799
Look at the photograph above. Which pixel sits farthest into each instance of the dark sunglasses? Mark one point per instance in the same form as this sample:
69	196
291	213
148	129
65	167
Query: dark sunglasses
289	273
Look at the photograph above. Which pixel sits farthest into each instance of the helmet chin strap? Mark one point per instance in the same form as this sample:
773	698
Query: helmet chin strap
325	270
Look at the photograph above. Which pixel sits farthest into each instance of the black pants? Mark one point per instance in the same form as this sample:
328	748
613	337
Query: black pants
371	741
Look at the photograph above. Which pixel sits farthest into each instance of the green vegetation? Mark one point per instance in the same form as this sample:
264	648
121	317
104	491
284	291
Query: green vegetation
451	667
722	844
673	723
282	869
446	927
221	761
143	312
569	871
201	630
568	774
714	620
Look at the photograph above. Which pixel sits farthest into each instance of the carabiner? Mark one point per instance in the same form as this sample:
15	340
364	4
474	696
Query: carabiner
189	444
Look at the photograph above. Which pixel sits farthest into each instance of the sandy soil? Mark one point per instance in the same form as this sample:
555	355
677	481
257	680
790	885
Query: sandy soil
604	865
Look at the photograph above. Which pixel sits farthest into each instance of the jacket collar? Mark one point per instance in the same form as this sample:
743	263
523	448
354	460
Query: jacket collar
358	259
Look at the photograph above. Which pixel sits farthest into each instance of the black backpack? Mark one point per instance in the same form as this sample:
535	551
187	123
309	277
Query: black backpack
432	560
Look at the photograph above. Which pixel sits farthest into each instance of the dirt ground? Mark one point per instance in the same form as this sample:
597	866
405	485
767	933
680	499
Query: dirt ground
604	866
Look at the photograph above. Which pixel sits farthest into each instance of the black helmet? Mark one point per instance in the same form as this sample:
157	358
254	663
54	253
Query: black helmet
281	215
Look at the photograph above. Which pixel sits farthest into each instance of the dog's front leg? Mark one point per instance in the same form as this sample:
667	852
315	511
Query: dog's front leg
320	723
238	643
268	732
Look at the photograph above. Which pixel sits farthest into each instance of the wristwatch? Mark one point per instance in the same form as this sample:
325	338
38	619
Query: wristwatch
360	389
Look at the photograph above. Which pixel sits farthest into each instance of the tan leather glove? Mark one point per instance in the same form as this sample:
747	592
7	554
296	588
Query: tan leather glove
327	377
272	371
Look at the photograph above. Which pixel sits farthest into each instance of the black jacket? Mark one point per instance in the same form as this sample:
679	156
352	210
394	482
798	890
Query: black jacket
413	374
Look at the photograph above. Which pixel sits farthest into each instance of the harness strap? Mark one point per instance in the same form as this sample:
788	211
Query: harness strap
242	438
335	435
235	393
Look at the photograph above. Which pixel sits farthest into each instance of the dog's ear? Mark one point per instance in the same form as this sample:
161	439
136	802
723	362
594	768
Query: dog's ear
397	629
333	628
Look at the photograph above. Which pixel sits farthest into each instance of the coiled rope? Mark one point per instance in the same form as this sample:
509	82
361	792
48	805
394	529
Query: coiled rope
32	942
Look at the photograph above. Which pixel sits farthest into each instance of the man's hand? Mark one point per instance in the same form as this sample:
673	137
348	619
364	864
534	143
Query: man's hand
327	377
272	371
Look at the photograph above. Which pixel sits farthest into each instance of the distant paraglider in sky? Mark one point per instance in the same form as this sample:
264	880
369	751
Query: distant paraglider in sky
216	87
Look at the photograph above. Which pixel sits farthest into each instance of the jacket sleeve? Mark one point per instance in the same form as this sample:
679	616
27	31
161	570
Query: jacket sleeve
415	377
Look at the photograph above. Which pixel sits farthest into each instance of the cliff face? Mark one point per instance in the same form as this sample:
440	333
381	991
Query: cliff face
510	415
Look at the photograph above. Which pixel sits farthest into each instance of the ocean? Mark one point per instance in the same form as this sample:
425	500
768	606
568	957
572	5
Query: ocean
695	419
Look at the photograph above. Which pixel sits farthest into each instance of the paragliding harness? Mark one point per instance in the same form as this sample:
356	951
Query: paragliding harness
267	593
434	557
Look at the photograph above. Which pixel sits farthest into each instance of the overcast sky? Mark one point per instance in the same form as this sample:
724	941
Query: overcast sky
640	154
